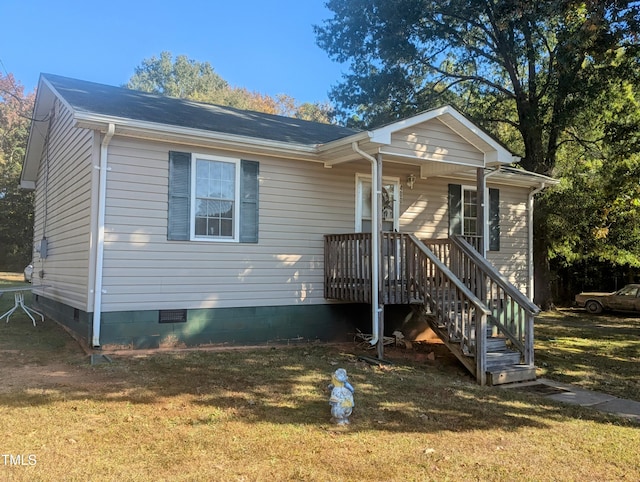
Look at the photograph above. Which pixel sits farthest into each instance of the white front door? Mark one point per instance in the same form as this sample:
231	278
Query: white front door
390	203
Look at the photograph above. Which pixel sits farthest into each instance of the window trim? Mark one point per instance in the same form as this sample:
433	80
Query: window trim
236	210
467	188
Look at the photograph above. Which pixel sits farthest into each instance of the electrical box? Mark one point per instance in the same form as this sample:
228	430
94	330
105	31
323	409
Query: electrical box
44	247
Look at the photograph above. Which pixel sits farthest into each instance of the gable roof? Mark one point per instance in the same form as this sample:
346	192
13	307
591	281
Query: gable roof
154	117
117	102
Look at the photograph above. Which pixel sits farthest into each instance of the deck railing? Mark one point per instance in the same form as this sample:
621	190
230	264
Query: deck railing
411	273
347	267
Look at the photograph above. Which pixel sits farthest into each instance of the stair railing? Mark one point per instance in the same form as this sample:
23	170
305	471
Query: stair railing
511	311
462	314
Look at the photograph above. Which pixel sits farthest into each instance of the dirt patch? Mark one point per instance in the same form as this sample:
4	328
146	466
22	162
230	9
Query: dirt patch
52	375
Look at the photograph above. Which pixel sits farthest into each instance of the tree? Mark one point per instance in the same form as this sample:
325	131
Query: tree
16	205
189	79
600	172
521	69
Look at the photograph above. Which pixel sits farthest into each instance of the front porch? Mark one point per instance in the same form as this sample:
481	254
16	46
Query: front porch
452	286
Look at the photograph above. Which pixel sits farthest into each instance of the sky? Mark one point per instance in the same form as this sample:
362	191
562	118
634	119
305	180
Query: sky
267	46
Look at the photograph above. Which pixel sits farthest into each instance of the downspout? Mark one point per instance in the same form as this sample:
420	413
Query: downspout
375	244
532	193
102	201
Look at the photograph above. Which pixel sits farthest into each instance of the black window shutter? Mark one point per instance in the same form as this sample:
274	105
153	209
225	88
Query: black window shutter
494	219
179	223
249	201
455	209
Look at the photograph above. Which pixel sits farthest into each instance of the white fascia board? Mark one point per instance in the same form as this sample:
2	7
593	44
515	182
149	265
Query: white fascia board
195	137
43	104
382	135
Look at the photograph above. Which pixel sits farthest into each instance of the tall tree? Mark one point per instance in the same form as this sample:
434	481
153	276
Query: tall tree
16	205
190	79
529	67
599	165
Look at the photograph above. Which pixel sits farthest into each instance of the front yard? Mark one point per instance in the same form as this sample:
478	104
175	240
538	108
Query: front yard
264	414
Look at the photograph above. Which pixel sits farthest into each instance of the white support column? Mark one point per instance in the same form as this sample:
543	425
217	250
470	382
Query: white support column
377	231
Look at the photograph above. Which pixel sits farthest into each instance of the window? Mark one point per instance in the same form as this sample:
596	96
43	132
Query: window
469	212
215	198
463	213
631	291
212	198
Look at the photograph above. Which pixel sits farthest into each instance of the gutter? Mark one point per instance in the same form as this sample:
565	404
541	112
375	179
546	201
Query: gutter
530	291
102	200
376	195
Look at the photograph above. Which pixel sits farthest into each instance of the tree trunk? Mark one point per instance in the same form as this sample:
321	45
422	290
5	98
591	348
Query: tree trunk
543	296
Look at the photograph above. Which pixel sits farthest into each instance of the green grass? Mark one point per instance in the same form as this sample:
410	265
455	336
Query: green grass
596	352
264	415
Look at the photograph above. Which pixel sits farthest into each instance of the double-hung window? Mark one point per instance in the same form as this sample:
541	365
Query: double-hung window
469	212
212	198
215	200
463	213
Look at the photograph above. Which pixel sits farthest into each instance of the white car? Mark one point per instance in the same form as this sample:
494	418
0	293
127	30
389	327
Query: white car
28	273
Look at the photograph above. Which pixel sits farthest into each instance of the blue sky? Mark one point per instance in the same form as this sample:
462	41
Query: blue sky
266	46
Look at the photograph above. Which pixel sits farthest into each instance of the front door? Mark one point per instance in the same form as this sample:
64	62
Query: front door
390	203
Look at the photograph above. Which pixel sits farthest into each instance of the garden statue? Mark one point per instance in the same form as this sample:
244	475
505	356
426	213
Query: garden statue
341	399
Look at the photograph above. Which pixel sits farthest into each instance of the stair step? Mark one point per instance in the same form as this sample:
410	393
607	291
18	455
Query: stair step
502	359
515	373
496	344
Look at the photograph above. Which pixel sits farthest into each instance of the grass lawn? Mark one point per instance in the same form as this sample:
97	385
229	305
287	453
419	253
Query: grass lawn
263	414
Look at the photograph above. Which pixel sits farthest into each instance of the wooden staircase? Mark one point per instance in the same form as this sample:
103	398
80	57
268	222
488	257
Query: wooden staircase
503	364
452	288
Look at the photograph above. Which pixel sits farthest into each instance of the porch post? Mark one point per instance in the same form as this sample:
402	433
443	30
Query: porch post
377	231
481	187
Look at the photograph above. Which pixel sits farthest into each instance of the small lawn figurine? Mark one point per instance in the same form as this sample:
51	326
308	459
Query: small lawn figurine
341	400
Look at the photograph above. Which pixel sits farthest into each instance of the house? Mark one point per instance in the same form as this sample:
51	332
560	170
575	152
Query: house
161	220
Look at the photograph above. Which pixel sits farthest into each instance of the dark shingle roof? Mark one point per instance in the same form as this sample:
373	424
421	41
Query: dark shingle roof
93	98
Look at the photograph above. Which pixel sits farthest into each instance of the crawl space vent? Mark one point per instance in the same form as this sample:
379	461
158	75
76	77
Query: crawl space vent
172	316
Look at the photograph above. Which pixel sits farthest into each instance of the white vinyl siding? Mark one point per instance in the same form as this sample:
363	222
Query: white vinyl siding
511	260
63	212
299	203
432	140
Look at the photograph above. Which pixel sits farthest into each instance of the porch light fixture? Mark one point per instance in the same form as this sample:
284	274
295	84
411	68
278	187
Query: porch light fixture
411	180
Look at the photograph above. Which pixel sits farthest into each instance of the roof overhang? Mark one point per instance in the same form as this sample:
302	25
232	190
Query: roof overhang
43	108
